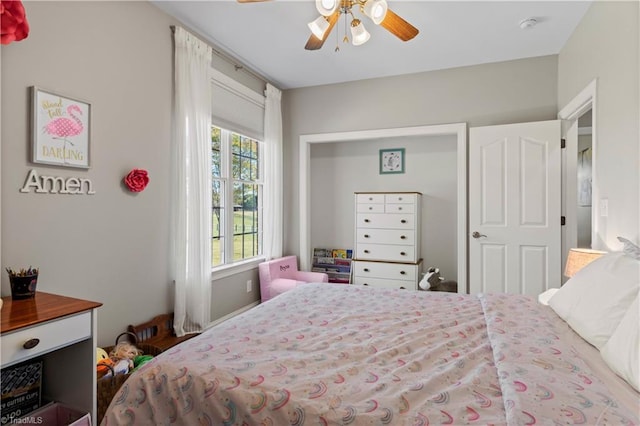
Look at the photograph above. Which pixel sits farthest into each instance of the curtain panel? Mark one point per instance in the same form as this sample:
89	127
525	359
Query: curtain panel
273	196
191	184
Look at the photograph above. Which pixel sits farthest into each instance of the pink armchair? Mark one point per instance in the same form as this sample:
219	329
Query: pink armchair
280	275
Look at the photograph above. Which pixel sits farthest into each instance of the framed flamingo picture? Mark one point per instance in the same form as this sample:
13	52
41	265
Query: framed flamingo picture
61	129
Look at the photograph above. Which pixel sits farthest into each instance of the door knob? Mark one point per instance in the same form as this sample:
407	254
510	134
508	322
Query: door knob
476	234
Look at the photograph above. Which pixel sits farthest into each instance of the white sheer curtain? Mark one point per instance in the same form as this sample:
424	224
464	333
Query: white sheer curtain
191	184
272	193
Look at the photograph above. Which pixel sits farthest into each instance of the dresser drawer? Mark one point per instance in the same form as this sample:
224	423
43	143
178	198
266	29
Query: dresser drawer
391	253
385	236
369	208
52	335
392	271
383	283
386	221
400	198
370	198
399	208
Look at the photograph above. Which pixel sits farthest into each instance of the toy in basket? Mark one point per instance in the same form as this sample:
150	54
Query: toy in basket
116	363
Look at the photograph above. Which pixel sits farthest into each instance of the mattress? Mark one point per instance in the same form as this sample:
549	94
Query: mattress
336	354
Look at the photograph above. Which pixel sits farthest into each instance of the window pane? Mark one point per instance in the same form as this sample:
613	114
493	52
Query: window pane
217	240
245	221
216	158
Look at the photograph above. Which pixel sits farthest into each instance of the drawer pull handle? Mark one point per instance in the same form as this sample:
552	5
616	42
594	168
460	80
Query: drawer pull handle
366	235
366	269
365	284
370	198
403	237
403	221
366	251
403	253
399	208
370	208
31	343
403	273
399	198
366	221
403	288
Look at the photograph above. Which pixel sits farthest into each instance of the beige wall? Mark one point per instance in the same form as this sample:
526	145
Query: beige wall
605	47
499	93
111	247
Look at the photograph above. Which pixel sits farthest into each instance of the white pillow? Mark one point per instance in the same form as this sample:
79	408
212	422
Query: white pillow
630	249
596	298
622	351
544	297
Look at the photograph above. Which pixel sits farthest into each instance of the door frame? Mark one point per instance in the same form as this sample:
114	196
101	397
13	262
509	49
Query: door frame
459	130
583	102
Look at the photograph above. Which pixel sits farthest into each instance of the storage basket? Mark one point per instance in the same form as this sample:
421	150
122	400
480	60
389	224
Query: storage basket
108	386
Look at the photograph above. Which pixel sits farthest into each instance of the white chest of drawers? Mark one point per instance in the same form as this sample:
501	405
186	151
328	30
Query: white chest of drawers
387	240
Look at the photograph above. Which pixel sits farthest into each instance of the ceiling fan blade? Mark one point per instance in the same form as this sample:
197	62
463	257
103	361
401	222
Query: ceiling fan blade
398	26
314	43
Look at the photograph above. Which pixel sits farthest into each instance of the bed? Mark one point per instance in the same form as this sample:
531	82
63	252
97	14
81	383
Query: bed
347	354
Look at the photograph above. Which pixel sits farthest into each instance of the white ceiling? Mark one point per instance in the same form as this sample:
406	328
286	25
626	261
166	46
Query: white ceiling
269	37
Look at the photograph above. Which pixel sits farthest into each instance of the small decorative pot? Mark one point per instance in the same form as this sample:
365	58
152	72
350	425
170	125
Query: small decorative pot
23	287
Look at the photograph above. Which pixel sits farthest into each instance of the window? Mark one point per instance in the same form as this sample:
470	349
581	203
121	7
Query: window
237	193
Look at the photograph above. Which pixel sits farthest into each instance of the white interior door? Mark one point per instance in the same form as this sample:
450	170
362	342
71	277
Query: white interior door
514	208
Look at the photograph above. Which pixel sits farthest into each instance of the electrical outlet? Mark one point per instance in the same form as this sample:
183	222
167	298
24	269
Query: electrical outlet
249	286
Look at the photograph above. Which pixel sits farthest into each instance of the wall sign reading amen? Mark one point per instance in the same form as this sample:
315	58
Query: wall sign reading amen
56	185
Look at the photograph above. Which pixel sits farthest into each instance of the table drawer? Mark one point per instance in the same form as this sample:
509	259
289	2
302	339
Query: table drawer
386	221
384	283
369	208
392	271
385	236
52	335
390	253
400	198
370	198
399	208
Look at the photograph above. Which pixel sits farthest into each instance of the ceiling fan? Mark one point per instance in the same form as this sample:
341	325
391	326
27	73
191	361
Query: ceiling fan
376	10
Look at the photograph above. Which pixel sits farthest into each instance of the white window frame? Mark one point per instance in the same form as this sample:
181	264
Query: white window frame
228	182
233	86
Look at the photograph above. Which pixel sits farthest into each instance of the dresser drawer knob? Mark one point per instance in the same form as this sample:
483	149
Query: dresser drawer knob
399	208
399	198
403	253
403	237
365	284
366	235
403	273
366	269
370	208
31	343
403	221
370	198
403	288
366	221
366	251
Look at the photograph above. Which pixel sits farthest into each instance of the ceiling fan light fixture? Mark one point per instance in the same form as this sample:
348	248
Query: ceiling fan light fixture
319	27
359	33
376	10
327	7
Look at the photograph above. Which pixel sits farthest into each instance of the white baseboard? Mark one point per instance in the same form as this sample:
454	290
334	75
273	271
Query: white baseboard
233	314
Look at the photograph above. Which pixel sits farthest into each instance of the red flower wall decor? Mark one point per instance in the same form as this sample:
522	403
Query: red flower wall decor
136	180
13	21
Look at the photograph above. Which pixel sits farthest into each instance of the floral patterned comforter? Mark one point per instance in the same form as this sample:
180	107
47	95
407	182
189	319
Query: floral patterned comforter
345	354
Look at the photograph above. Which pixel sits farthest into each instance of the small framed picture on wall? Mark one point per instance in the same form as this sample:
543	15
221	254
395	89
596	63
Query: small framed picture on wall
61	130
391	161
